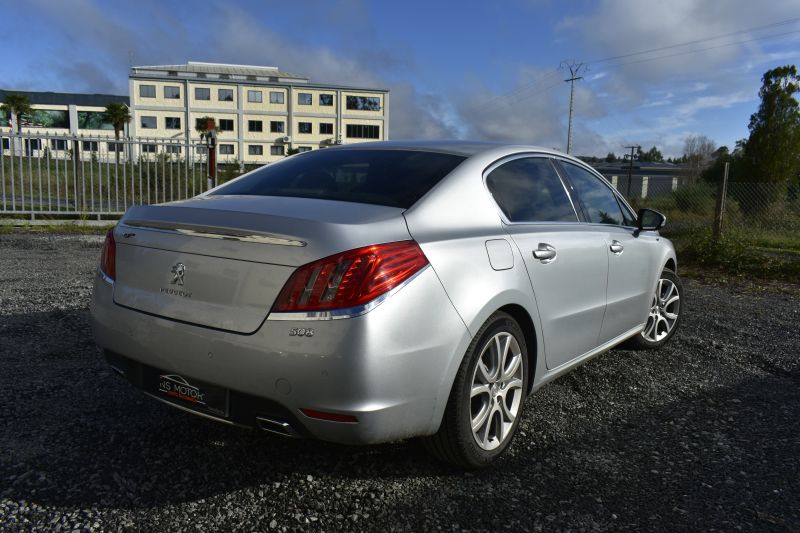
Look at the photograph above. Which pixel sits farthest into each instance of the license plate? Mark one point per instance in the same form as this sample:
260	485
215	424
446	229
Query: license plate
187	392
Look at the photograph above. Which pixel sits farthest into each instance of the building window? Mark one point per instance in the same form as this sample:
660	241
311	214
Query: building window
173	148
255	125
301	149
226	149
275	97
363	131
172	123
326	99
114	147
304	98
226	124
89	146
147	91
364	103
148	123
202	93
148	148
304	127
254	96
58	144
255	149
276	126
277	149
225	95
172	92
326	128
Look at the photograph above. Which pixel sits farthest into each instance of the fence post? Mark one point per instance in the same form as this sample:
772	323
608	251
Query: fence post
719	211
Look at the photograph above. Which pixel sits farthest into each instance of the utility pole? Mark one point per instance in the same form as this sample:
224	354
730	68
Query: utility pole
630	167
574	70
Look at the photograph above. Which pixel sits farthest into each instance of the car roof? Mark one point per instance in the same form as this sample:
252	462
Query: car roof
463	148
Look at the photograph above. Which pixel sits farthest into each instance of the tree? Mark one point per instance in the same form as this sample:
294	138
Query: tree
16	105
698	151
119	116
201	125
772	152
611	157
653	155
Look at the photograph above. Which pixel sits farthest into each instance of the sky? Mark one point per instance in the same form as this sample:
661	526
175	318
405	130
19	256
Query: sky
655	72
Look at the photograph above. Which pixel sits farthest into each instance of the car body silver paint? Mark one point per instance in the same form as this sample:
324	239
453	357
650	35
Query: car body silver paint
368	365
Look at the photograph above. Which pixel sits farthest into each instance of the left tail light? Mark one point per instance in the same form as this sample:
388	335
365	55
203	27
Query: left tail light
108	259
351	278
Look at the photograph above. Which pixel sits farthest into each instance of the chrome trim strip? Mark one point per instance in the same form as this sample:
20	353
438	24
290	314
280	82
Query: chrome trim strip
213	233
192	411
562	369
350	312
104	277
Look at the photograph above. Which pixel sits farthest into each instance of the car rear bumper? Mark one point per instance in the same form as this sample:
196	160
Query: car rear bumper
391	368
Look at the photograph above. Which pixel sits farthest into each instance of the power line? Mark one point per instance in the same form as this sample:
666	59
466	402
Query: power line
696	41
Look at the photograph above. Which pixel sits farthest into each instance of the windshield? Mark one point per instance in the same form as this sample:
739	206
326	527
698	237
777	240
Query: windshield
395	178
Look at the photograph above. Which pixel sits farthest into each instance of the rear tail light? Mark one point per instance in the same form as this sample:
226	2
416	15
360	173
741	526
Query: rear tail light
108	259
350	279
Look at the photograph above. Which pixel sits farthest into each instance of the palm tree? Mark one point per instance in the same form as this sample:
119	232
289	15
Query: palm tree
16	105
201	125
118	115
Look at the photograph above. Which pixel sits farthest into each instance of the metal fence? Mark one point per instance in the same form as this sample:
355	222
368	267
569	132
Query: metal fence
95	176
748	207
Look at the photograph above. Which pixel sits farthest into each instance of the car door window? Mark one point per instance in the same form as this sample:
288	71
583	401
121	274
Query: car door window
599	201
529	190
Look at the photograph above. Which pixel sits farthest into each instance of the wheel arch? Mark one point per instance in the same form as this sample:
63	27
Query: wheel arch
523	318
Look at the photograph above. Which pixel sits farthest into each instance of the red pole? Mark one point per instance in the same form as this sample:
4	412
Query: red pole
212	154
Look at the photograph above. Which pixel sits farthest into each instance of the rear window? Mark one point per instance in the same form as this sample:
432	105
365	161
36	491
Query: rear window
395	178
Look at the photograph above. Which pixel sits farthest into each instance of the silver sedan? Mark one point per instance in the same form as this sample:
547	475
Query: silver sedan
383	291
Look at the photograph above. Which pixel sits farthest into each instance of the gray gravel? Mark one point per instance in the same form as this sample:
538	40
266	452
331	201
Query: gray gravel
703	435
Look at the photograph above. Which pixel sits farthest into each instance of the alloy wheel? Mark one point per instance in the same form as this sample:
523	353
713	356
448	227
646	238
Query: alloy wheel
496	393
664	311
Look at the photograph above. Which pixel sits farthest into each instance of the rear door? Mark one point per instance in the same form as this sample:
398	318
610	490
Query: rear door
631	256
565	260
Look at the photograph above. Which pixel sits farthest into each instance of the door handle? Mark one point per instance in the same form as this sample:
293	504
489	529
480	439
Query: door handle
616	247
545	253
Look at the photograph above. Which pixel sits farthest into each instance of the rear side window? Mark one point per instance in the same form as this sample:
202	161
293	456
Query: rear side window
529	190
395	178
598	199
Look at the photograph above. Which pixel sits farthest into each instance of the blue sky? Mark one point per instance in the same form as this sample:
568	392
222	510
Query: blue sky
477	70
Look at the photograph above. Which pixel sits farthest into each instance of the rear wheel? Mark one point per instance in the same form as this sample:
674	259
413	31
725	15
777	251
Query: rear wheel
485	404
664	315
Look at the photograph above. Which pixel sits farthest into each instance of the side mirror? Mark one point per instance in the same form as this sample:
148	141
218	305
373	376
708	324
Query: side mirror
650	220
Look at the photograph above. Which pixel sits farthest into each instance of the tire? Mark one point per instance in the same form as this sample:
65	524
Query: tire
666	311
500	386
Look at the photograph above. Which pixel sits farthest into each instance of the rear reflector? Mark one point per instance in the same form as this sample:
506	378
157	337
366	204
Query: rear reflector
332	417
108	258
350	279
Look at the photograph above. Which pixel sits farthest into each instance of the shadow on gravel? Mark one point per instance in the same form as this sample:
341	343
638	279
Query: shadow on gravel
75	434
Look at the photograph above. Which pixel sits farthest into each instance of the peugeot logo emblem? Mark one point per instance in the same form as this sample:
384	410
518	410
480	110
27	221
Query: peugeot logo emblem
178	270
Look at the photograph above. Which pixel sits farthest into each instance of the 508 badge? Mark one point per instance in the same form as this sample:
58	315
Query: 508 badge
301	332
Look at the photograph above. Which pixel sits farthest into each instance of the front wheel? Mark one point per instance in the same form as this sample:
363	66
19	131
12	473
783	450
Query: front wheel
485	403
666	309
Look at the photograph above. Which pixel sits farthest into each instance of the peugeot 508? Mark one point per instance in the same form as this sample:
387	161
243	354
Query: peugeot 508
382	291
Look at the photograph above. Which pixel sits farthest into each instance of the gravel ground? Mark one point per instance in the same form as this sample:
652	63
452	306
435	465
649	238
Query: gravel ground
703	435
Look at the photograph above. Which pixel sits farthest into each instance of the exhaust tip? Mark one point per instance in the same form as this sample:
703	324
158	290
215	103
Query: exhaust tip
278	427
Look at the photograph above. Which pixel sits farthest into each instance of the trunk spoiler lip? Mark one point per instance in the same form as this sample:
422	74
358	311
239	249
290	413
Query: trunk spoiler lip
209	232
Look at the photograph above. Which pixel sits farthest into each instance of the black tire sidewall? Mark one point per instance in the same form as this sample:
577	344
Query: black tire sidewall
497	323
